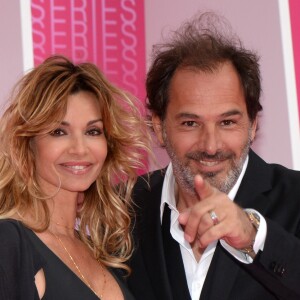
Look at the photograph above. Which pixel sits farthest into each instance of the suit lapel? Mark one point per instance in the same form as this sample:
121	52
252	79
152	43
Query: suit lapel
221	275
174	262
152	244
256	181
224	268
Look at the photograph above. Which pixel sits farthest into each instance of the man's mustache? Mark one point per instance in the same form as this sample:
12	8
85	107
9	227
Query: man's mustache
200	155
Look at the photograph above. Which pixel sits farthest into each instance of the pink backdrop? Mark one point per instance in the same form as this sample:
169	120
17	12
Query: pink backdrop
277	141
109	33
295	22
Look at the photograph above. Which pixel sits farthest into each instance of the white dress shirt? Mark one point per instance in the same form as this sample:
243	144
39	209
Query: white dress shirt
196	271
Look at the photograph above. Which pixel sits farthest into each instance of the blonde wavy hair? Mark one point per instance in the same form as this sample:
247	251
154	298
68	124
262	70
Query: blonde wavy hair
38	104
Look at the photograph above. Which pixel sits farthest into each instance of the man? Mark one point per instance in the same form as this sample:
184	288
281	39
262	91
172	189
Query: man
218	222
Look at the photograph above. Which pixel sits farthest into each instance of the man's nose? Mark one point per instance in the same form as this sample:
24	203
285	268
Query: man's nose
210	140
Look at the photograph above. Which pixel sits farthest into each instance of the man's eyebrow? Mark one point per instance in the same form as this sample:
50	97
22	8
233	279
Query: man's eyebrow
232	113
187	115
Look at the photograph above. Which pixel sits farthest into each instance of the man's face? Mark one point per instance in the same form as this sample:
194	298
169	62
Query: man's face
206	130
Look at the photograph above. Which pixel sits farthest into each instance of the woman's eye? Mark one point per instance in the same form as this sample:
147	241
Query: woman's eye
57	132
94	132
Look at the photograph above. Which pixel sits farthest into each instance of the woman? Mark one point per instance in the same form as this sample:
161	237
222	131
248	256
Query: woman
71	145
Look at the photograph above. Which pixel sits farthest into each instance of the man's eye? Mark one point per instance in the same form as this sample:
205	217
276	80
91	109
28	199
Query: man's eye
227	122
189	123
57	132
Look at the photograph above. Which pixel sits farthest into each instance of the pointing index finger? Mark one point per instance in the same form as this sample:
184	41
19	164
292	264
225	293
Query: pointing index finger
202	187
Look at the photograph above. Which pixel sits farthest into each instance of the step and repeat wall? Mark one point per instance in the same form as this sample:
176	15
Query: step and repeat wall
110	34
118	36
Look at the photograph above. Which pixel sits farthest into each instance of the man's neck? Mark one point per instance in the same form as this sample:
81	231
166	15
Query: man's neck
184	199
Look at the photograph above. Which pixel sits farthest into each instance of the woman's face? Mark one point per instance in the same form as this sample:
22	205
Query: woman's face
72	155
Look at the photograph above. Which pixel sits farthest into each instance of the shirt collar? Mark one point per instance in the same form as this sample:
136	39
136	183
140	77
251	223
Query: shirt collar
169	185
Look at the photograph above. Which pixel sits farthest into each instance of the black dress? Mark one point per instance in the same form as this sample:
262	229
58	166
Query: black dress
23	254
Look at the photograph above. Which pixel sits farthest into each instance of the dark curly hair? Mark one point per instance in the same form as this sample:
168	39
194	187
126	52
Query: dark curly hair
202	44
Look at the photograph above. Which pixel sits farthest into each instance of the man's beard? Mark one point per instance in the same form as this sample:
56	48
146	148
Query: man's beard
185	176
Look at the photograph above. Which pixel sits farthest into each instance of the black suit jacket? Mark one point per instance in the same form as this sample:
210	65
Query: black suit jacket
272	190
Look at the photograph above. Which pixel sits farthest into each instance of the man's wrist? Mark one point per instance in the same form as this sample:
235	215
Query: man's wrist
254	218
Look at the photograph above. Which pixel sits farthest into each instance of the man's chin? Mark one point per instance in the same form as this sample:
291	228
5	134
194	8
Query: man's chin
208	175
212	174
215	180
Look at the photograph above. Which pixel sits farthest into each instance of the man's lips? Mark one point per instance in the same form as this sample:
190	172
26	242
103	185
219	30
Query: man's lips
210	163
209	166
206	161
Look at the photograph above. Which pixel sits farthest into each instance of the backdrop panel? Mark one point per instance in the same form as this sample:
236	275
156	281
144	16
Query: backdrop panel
109	33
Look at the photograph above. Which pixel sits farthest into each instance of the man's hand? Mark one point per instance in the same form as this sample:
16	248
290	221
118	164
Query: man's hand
233	225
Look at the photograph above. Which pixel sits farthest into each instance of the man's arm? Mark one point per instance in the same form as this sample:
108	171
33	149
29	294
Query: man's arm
277	267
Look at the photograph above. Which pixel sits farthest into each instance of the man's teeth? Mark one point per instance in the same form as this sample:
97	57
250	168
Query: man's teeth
209	163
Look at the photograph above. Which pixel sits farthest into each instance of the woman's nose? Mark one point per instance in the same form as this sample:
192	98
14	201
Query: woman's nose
78	146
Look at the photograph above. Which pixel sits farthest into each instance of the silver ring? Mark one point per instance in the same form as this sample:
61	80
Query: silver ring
214	217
